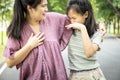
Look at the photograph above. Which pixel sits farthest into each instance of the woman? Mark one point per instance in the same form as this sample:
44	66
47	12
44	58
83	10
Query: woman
35	41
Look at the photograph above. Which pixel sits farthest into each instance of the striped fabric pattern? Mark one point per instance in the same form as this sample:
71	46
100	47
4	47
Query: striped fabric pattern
76	55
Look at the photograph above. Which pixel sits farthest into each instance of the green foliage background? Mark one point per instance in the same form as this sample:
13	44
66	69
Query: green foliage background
57	5
102	8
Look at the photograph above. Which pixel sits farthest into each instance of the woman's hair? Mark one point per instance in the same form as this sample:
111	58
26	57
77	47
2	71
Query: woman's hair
19	17
81	6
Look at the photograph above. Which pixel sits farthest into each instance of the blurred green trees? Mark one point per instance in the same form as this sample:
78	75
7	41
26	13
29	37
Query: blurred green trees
108	11
57	5
5	15
5	9
104	9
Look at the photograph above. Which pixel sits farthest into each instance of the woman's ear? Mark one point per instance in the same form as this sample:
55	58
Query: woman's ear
86	14
29	8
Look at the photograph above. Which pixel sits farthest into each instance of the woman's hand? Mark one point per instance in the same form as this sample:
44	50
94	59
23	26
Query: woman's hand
35	40
103	31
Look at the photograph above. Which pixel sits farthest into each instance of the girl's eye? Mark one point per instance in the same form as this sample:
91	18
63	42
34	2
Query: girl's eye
72	18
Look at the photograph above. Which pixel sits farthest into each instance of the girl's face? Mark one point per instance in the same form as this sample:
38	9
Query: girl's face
39	12
76	17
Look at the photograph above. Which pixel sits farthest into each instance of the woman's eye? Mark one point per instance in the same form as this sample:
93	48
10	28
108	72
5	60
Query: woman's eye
44	5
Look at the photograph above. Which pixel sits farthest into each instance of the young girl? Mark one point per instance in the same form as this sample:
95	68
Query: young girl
84	43
35	41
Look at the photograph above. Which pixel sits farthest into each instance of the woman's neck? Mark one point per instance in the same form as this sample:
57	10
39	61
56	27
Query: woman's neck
34	24
32	21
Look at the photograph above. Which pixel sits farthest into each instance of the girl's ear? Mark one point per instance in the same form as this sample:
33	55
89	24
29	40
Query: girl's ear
86	14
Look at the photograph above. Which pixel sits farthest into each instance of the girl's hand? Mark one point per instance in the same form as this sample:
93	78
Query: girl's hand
35	40
77	26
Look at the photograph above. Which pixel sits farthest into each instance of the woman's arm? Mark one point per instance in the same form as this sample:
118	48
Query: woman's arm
22	53
102	30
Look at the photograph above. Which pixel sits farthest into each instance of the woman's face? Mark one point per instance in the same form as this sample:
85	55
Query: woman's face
39	12
76	17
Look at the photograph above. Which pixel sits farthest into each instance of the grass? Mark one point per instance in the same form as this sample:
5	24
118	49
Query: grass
2	45
112	32
1	50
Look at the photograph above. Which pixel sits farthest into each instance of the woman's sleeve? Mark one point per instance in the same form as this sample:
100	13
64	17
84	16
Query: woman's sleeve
11	47
65	33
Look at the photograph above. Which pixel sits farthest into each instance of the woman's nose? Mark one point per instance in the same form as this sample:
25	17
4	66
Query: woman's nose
46	9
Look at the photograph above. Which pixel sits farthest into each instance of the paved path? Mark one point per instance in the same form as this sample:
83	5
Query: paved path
109	58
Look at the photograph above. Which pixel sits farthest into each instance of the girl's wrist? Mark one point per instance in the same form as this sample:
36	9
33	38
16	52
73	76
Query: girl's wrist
83	29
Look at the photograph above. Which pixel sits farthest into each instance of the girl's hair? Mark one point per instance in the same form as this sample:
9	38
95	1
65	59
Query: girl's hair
81	6
19	17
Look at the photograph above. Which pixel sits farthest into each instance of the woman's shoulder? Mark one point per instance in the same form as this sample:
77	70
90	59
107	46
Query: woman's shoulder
55	15
56	18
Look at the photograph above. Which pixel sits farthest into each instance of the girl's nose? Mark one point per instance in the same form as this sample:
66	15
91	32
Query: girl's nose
72	21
